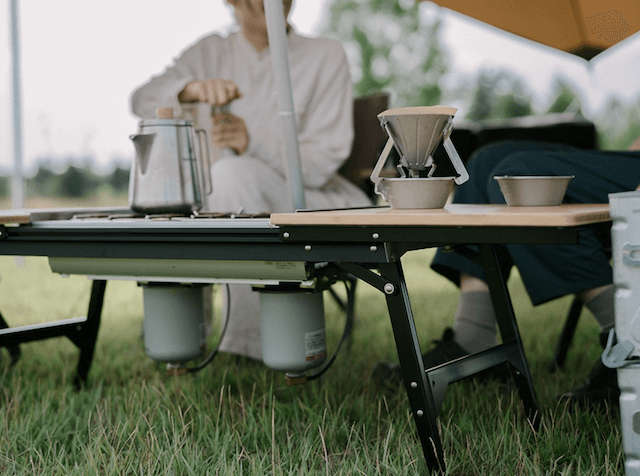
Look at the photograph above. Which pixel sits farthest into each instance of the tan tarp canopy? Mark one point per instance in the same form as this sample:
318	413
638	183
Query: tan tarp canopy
582	27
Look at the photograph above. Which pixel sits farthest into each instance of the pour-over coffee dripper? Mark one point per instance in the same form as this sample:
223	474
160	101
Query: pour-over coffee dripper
415	132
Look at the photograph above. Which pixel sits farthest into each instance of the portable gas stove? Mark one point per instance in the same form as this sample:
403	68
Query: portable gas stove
206	267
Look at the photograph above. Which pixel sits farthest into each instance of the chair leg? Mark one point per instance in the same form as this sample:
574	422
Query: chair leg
89	333
566	336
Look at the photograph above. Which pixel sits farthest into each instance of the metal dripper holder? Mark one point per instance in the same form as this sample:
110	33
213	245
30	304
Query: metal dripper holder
415	132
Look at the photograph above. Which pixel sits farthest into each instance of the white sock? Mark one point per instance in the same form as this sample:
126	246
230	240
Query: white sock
602	308
475	322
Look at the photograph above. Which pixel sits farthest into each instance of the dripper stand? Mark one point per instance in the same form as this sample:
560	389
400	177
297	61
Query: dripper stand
415	132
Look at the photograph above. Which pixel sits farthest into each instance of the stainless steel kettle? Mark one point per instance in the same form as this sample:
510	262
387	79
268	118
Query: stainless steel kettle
171	169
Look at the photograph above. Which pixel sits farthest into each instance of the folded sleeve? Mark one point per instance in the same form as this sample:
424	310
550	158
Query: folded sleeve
195	63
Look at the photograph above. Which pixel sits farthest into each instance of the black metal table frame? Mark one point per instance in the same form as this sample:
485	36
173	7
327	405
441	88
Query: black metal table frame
359	250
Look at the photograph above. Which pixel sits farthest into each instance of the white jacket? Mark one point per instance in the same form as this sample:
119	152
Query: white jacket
322	96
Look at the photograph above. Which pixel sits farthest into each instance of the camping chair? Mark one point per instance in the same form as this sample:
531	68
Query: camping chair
368	140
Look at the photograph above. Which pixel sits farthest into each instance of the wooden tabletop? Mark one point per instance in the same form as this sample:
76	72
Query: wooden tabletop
453	215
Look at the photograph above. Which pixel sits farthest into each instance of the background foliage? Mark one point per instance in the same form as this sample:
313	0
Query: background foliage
392	45
395	45
75	181
72	182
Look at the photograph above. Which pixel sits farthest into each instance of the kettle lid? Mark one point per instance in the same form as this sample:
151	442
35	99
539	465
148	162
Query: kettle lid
165	122
164	113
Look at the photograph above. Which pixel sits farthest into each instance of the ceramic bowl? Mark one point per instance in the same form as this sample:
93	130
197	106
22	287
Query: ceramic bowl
407	193
533	191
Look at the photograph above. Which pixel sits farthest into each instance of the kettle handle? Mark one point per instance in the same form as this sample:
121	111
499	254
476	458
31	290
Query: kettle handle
204	158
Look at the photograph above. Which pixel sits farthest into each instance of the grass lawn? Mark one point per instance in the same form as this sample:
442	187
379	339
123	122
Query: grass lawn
238	417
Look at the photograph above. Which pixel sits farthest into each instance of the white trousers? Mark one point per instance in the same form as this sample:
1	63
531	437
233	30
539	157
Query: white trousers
248	184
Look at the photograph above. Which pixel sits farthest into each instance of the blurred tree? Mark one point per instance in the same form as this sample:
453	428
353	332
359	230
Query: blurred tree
74	182
618	124
4	186
119	179
392	45
498	94
45	182
566	98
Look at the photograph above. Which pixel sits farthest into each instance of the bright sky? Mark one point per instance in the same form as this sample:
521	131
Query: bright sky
81	59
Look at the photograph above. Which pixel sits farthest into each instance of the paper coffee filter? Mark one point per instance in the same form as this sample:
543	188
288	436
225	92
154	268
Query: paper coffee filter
420	110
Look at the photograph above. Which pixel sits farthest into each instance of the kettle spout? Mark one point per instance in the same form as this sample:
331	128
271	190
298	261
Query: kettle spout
143	143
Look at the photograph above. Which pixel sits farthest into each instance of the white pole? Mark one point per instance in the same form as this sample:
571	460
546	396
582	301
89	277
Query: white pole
277	30
17	179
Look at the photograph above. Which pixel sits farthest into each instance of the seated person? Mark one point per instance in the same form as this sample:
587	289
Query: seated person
548	271
236	71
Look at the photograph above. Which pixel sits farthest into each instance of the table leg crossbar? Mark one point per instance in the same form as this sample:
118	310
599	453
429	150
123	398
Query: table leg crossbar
442	376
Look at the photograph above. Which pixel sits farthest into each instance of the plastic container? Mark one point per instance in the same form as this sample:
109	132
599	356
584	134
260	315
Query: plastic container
292	330
625	240
174	322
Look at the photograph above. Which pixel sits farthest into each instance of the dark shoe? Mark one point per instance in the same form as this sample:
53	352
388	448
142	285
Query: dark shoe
447	349
385	374
599	389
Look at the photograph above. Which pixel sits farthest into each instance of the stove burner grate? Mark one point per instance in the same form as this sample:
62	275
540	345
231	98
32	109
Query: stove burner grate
167	216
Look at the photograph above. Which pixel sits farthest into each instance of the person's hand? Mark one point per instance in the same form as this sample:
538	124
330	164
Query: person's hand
229	131
216	92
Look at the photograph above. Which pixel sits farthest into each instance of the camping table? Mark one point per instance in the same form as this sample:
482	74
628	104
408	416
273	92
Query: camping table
367	243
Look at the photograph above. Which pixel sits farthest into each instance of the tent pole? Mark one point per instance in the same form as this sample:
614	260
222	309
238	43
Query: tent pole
276	28
17	178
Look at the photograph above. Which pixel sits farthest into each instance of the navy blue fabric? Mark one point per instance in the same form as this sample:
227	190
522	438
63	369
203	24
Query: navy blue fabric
548	271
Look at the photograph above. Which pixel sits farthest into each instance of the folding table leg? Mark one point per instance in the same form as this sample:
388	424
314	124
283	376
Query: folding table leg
14	350
423	407
509	329
89	332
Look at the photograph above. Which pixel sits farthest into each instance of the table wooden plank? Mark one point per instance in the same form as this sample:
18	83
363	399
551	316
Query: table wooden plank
14	216
47	214
453	215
